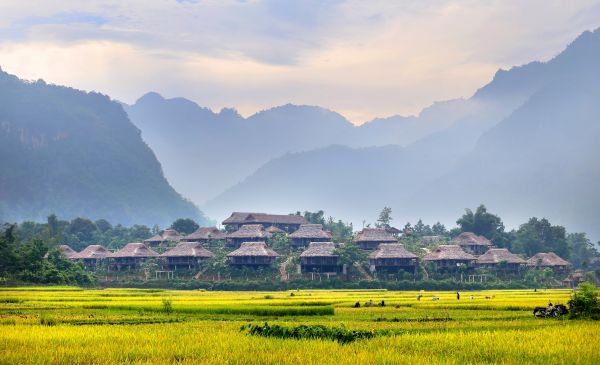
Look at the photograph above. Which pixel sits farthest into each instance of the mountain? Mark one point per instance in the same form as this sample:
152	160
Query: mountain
204	152
74	153
527	145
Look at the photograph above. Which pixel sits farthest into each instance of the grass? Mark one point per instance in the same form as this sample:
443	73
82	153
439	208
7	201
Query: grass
311	327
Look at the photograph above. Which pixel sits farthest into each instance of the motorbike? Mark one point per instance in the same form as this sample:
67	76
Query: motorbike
556	311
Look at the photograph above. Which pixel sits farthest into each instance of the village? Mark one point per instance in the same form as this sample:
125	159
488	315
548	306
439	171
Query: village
277	246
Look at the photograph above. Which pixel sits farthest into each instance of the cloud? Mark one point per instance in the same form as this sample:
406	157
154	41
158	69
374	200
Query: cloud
364	59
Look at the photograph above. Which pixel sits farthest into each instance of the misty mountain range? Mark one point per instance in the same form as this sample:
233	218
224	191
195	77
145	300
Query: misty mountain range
525	144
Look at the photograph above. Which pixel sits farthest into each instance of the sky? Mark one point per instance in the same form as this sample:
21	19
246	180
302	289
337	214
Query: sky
363	59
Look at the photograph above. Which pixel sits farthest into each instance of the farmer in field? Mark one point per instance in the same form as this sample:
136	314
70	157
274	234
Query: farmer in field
457	296
419	297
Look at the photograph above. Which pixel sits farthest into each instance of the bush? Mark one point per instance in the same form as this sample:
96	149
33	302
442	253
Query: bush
584	302
167	306
319	332
47	321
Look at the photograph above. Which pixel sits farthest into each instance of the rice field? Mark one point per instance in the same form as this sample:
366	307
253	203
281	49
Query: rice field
65	325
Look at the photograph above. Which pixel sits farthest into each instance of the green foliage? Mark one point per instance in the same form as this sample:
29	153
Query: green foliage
33	262
350	253
185	225
581	249
484	224
339	230
318	332
167	305
584	302
80	232
538	235
385	218
47	321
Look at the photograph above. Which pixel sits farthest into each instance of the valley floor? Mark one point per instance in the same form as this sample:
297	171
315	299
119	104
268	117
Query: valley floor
69	325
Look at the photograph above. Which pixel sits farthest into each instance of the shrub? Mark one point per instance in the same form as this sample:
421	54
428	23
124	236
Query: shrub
167	306
584	302
47	321
320	332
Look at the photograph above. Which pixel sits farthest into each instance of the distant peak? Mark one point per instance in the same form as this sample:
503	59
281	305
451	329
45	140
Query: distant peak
151	96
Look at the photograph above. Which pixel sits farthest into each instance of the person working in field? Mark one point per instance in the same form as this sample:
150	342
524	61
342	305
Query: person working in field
457	296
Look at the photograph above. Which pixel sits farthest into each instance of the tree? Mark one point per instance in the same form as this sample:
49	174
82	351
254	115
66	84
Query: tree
339	230
83	229
582	250
538	235
350	253
314	217
185	225
385	218
484	224
584	302
103	225
8	258
439	229
421	229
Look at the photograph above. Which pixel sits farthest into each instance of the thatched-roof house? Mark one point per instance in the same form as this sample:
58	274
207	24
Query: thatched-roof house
288	223
66	251
91	256
573	279
320	257
308	233
500	258
186	255
204	235
393	257
449	257
550	260
472	243
252	254
370	238
168	235
132	255
274	230
248	233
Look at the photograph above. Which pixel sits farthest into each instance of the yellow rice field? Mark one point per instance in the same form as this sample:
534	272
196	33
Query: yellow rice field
74	326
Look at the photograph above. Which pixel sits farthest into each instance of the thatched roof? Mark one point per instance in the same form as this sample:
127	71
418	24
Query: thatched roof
167	235
253	218
136	249
470	239
393	230
253	249
448	252
374	235
319	249
250	231
547	259
273	230
188	249
67	251
498	255
392	251
311	231
205	233
92	252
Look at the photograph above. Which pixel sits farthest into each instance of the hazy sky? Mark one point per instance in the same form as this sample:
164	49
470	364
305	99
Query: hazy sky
360	58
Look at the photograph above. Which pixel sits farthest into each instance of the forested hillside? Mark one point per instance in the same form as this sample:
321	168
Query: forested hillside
74	153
